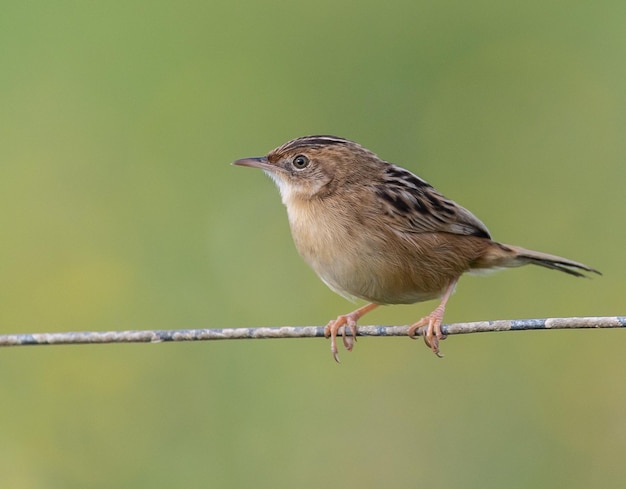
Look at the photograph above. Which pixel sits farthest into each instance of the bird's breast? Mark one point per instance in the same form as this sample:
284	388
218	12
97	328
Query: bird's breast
357	260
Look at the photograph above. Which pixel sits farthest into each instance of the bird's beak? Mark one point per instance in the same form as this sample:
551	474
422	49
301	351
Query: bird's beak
257	162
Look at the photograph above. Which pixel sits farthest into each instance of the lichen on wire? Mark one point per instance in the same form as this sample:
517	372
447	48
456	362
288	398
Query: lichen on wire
158	336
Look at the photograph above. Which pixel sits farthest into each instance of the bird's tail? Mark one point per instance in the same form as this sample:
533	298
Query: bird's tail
503	255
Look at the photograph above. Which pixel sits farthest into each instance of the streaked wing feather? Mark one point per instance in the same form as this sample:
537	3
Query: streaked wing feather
414	206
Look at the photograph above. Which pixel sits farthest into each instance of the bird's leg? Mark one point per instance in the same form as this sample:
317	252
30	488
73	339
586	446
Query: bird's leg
433	333
349	320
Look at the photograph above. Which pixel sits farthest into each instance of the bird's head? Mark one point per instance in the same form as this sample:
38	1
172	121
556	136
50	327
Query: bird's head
314	166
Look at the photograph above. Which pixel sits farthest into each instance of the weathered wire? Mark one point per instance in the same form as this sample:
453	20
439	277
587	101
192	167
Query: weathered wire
157	336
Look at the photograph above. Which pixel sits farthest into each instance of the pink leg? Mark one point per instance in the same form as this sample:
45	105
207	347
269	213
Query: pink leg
349	320
433	333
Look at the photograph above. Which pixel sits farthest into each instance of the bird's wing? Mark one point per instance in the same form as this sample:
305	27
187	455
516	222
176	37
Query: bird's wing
411	205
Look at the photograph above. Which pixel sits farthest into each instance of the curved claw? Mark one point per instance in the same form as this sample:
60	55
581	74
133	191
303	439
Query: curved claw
413	329
331	330
433	333
348	321
348	341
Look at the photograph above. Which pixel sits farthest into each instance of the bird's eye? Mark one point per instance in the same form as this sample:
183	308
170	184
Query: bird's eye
300	162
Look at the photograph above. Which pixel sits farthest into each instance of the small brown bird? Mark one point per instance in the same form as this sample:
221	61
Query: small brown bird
373	230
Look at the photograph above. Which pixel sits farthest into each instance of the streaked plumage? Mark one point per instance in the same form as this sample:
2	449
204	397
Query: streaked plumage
373	230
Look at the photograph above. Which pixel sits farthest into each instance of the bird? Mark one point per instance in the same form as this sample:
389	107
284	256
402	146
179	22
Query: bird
375	231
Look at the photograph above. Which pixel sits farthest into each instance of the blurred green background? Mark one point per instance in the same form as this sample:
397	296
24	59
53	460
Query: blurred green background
119	210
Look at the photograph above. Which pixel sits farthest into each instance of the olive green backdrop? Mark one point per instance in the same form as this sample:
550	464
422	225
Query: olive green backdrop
119	210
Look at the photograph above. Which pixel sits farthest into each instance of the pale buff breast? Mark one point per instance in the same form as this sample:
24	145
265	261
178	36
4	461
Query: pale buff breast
355	263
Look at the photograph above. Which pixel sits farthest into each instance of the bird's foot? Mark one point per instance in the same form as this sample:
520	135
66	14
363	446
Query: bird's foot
332	329
433	332
348	321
